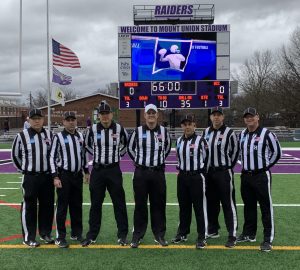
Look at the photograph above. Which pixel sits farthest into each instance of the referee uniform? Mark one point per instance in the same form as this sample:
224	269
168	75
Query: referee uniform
148	147
220	183
30	155
260	150
106	144
68	158
192	154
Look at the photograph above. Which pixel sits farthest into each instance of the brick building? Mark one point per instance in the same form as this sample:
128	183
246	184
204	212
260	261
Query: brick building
12	114
87	107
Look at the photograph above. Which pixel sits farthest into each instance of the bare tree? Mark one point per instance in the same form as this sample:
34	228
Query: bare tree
286	84
70	93
255	79
40	97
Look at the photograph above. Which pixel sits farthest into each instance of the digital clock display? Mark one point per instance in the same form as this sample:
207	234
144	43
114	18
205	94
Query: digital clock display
174	94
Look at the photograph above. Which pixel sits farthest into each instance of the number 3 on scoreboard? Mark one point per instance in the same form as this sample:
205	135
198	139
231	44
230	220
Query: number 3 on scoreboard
127	104
185	104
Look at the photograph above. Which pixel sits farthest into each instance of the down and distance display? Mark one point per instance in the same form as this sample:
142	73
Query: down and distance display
174	94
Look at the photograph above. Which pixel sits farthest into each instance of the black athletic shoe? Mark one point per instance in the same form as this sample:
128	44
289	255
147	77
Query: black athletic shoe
47	239
200	244
87	242
76	238
231	242
179	238
266	246
135	242
122	241
31	243
246	238
213	235
161	241
62	243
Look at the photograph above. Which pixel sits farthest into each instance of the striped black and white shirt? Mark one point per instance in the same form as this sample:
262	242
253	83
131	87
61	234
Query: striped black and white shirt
223	146
259	149
192	153
68	153
149	147
31	149
106	144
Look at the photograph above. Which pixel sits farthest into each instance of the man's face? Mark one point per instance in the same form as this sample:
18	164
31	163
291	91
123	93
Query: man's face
105	118
217	119
251	120
188	128
151	116
36	122
70	124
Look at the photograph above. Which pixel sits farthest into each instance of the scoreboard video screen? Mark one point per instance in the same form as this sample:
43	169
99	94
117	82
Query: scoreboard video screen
174	66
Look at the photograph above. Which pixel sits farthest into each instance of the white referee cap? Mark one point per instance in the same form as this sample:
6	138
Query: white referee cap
150	107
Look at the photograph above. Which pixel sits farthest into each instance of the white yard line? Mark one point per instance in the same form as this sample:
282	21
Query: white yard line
14	182
168	204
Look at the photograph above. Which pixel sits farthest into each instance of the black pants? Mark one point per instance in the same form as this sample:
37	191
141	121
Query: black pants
70	195
191	193
150	183
220	188
110	179
257	188
37	188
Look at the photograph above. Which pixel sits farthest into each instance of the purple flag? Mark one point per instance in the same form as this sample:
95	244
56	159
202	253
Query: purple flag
60	78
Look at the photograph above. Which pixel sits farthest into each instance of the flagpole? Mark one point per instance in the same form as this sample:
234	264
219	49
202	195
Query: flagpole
20	50
48	69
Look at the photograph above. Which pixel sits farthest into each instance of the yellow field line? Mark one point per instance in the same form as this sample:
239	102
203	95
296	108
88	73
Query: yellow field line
291	248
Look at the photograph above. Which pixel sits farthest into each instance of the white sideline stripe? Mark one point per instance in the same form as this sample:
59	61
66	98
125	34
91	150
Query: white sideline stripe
2	195
14	182
9	188
168	204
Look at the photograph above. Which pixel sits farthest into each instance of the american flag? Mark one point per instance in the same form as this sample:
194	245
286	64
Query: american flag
61	78
63	56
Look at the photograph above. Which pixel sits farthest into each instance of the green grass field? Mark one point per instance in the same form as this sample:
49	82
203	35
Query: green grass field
287	220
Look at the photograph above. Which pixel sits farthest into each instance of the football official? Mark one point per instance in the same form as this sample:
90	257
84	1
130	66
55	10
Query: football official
192	154
30	155
106	141
148	147
260	150
223	155
68	158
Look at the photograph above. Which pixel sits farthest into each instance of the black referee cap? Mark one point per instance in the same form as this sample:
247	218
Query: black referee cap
251	111
69	115
188	118
104	107
216	109
35	112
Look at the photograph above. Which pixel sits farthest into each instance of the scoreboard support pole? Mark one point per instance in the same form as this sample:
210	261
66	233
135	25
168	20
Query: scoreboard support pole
138	117
173	118
208	118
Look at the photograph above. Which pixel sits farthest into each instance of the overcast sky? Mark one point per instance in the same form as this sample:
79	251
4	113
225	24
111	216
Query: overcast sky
89	28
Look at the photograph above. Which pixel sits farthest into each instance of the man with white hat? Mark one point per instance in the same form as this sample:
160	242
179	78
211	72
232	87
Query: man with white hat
148	147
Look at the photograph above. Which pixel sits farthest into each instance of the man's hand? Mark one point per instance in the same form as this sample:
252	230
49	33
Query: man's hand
57	182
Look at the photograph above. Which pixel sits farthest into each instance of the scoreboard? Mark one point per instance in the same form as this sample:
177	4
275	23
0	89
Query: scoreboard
174	66
174	94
